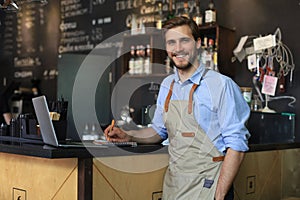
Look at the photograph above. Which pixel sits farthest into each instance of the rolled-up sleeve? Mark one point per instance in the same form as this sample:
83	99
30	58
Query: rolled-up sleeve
233	113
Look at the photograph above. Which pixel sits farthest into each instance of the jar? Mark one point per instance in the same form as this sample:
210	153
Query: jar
247	94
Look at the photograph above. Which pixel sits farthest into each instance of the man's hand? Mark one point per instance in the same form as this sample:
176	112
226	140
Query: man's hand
114	134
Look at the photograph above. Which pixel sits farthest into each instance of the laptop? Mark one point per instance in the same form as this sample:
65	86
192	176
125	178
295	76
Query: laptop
48	132
46	126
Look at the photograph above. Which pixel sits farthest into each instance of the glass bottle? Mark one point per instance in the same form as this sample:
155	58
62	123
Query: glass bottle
168	65
131	60
185	10
204	50
147	61
86	133
198	17
210	13
209	58
139	62
171	13
160	17
215	57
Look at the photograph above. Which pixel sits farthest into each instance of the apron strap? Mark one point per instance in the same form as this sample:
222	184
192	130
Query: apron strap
218	159
169	96
190	106
194	87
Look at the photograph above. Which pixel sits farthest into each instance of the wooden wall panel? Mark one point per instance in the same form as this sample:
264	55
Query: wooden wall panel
110	183
266	168
40	178
291	174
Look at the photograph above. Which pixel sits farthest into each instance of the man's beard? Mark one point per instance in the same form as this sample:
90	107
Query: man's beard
183	67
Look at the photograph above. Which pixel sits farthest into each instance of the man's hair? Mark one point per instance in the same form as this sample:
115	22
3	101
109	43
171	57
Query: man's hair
180	21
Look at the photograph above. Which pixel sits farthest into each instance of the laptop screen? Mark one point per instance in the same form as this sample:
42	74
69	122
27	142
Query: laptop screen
43	116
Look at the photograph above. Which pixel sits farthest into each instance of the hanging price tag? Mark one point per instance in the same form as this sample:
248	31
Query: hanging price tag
269	85
252	62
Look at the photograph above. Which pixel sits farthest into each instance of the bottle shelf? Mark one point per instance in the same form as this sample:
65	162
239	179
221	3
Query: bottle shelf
224	39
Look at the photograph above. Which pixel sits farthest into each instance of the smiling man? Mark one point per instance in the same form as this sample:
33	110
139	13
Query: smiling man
203	113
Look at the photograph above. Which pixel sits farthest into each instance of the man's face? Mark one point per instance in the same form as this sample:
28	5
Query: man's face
181	47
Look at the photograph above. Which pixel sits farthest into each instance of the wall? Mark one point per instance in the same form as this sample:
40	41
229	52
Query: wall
28	48
255	17
62	27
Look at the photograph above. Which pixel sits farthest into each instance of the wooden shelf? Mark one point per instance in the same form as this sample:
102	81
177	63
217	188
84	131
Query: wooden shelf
225	40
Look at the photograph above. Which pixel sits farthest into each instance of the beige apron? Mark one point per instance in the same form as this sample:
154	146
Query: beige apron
195	163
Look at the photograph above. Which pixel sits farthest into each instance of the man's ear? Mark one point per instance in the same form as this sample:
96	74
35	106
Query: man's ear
198	43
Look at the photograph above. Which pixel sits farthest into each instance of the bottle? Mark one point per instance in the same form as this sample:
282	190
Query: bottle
185	10
168	65
204	50
160	17
139	62
131	60
171	13
85	134
198	17
215	57
134	25
209	55
147	61
94	134
210	13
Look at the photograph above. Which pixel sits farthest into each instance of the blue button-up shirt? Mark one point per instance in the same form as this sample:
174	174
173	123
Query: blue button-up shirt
219	108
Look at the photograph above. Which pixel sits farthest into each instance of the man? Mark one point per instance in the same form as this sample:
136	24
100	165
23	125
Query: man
203	114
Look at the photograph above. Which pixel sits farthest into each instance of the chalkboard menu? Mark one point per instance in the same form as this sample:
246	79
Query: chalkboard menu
33	37
85	24
29	44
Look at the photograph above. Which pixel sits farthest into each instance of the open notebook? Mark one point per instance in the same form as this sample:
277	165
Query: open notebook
48	132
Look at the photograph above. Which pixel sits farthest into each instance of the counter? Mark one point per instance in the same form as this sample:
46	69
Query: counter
68	172
43	172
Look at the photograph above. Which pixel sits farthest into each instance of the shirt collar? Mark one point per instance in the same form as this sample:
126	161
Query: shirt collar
195	78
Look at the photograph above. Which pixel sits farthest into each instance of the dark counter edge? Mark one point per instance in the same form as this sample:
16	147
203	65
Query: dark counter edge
44	151
273	147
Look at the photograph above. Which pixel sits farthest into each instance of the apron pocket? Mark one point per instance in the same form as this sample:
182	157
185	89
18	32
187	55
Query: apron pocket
187	186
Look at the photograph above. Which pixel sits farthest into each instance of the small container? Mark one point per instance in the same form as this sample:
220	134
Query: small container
247	94
256	104
14	130
4	130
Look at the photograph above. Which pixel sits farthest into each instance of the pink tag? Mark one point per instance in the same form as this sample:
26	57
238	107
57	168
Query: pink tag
269	85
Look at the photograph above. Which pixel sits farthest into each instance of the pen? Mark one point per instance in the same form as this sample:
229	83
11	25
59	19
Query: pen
112	125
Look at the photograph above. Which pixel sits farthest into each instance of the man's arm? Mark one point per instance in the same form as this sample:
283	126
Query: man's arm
143	136
229	170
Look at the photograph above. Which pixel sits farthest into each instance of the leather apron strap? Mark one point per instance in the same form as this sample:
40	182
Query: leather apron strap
194	87
169	96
